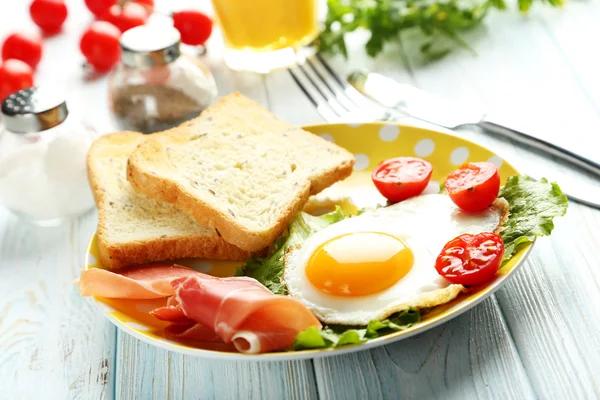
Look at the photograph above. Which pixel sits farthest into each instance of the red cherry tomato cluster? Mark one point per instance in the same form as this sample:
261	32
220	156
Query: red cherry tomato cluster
99	43
467	259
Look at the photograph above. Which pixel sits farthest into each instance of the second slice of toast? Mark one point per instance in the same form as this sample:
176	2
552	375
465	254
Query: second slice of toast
238	169
134	228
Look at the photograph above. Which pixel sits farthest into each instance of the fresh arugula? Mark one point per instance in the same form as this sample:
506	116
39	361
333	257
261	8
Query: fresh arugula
438	22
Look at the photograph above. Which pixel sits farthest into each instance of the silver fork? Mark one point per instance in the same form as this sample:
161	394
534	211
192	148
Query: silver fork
337	101
334	99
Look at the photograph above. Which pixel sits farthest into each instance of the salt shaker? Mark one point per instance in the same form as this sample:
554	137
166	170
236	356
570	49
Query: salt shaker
43	152
156	87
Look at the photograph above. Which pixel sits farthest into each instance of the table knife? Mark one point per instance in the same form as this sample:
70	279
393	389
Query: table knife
424	106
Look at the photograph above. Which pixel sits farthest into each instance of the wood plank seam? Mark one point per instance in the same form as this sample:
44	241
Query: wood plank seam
511	336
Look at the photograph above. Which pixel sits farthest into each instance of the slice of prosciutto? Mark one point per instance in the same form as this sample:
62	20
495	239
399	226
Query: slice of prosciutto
150	282
237	310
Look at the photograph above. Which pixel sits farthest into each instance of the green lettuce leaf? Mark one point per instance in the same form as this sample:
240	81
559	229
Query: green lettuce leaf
533	205
269	271
341	335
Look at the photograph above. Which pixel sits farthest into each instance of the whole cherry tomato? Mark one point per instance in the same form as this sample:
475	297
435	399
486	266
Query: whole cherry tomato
100	45
99	7
26	47
474	186
49	15
126	17
148	4
399	178
471	259
194	26
14	76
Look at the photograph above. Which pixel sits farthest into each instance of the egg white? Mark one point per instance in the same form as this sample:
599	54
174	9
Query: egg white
425	223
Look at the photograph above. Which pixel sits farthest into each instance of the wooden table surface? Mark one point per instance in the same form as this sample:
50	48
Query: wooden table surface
538	337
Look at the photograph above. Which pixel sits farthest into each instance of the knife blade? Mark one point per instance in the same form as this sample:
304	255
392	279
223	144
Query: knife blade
425	106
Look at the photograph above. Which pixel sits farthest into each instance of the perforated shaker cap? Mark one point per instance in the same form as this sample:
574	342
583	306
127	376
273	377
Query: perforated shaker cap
150	45
34	110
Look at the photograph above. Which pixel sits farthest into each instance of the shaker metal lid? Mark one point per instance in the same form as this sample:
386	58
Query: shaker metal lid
33	110
150	45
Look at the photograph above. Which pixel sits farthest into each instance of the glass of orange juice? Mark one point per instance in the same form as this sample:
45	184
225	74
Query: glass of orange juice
262	35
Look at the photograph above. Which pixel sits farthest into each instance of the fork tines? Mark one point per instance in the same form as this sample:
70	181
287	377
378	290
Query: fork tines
334	99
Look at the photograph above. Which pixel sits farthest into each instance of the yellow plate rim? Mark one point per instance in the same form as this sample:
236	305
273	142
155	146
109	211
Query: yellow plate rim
421	327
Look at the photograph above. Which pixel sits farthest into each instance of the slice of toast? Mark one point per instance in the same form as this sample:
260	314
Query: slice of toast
135	229
238	169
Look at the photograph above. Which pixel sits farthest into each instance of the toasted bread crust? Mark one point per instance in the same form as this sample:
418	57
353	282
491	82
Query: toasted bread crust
163	249
118	255
152	154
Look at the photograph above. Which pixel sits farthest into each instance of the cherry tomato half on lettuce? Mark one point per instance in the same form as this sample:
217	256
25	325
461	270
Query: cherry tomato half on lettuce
474	186
471	259
400	178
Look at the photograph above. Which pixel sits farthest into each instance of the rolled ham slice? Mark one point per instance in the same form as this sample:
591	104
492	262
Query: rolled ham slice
243	312
237	310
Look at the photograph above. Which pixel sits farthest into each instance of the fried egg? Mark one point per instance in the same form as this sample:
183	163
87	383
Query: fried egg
382	261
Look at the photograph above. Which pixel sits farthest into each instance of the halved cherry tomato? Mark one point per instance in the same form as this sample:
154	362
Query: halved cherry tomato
474	186
471	259
400	178
126	17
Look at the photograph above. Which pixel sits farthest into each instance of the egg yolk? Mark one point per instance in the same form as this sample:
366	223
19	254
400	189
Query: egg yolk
359	264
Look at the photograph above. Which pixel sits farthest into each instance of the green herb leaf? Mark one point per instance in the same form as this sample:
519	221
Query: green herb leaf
533	205
388	20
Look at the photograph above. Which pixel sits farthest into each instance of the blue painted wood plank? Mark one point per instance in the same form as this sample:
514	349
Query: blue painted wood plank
470	357
552	309
53	343
146	372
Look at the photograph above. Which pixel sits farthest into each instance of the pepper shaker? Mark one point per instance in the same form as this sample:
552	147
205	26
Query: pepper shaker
43	153
156	87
